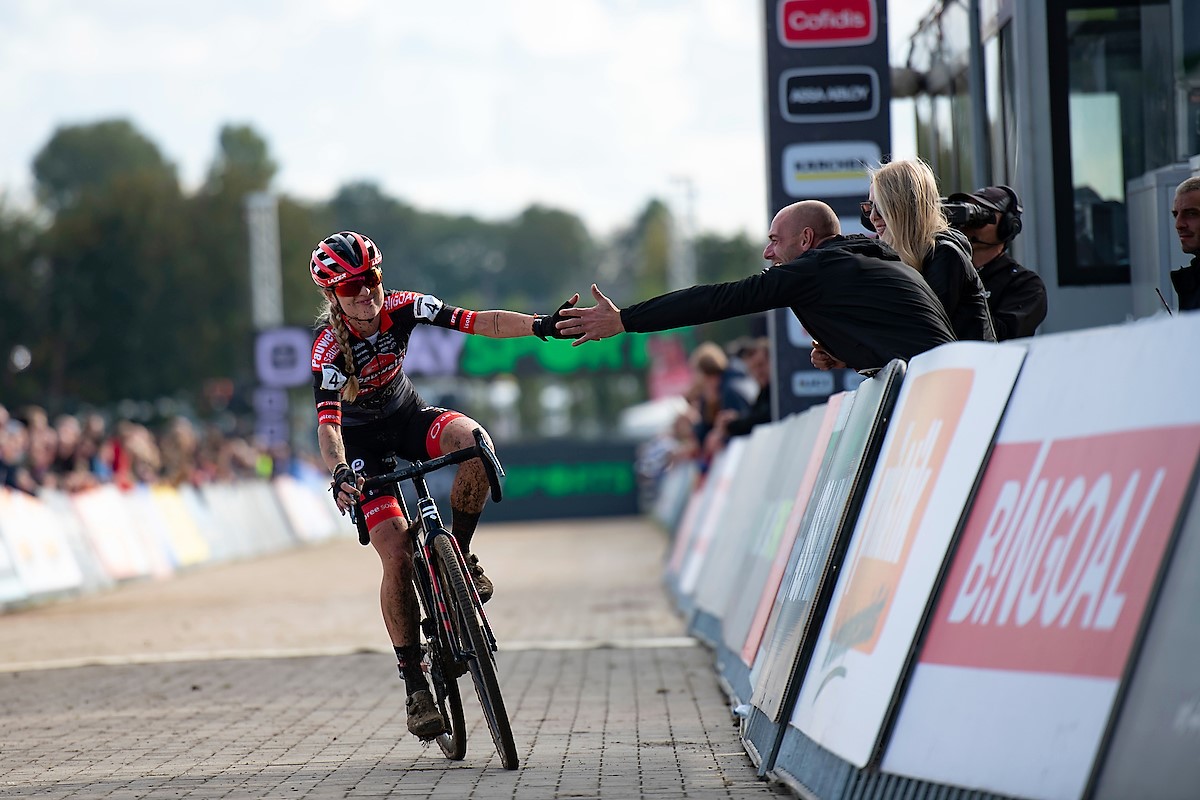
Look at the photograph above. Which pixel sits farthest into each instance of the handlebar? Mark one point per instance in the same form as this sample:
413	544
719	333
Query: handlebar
480	450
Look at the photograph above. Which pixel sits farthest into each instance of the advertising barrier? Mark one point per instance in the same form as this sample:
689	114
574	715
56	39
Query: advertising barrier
187	543
11	589
733	533
824	416
119	551
71	526
55	543
1157	733
39	555
684	538
720	476
790	440
1039	613
808	582
945	419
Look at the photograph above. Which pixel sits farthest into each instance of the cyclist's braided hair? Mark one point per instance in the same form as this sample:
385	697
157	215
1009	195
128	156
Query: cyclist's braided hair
329	315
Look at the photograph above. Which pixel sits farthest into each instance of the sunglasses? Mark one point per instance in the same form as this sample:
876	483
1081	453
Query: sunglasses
866	207
352	286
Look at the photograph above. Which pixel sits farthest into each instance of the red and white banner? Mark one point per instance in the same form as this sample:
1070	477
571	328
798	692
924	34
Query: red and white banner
1049	585
947	414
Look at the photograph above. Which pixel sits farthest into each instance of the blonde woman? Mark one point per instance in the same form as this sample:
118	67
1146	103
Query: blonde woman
367	407
905	209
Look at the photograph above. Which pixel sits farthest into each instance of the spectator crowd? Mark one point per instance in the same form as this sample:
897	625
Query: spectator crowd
72	453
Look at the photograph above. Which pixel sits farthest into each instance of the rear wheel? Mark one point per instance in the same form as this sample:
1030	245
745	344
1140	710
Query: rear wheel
464	616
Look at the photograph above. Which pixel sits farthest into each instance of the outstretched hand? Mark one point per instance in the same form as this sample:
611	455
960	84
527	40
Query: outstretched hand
591	324
547	326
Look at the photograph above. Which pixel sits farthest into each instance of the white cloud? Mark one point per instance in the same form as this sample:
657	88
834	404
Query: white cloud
476	106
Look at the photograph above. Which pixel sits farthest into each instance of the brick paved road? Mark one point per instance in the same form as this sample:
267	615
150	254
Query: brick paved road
273	679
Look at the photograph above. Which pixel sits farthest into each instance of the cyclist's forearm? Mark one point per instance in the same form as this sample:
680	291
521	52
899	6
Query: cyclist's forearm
333	452
503	324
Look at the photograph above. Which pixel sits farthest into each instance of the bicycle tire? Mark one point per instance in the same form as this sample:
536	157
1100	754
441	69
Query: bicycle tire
464	617
453	742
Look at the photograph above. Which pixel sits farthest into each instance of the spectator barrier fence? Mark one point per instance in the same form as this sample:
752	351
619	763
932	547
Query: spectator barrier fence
58	544
972	578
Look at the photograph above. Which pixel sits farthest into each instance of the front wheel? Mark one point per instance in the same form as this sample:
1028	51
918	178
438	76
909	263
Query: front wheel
454	741
464	618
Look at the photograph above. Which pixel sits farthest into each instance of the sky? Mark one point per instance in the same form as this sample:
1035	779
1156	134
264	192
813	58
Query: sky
479	107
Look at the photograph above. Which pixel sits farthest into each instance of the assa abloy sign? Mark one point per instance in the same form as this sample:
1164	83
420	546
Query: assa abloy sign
829	94
826	23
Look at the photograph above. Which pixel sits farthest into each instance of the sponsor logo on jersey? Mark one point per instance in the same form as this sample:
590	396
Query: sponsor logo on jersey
380	370
325	348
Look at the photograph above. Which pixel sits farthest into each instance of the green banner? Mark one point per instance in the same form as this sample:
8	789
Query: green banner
482	356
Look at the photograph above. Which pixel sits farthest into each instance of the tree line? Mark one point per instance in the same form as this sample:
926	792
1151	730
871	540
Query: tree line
123	285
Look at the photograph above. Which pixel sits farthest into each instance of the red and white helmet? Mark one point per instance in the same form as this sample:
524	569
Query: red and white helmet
342	256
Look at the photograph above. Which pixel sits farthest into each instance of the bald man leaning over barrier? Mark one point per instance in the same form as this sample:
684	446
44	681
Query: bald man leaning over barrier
852	294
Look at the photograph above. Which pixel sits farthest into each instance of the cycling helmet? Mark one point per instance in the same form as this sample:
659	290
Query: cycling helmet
342	256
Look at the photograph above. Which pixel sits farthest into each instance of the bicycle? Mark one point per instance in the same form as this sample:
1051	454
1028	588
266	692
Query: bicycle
457	636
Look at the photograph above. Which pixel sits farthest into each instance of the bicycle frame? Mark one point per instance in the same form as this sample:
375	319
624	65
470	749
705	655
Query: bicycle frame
427	525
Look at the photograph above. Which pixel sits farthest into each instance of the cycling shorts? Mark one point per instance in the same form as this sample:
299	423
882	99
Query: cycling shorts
410	434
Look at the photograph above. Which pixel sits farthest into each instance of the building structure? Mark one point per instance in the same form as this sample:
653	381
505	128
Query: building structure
1090	109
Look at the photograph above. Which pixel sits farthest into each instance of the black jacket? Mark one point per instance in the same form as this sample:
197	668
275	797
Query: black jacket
758	413
1186	281
953	278
1016	296
850	294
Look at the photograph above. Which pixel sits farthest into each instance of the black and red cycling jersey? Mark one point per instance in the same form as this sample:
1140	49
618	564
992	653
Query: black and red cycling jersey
383	388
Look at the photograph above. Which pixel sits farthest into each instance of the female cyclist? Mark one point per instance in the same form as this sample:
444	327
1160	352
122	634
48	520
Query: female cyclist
905	209
367	407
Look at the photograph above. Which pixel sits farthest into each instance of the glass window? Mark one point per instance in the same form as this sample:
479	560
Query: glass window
963	178
1105	129
1001	111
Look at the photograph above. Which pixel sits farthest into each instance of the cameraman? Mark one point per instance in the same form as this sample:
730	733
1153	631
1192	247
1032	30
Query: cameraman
991	219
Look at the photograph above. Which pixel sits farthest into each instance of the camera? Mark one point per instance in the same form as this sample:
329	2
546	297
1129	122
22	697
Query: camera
965	214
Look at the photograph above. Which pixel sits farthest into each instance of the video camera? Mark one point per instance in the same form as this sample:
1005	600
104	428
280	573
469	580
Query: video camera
963	214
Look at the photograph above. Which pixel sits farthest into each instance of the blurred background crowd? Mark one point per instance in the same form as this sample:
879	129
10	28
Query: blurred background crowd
729	394
72	453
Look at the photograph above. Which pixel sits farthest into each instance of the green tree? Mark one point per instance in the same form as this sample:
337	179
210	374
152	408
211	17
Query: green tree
219	304
301	226
113	265
243	163
640	256
79	158
546	253
23	274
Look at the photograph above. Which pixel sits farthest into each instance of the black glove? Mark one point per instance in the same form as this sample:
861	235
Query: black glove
343	474
546	326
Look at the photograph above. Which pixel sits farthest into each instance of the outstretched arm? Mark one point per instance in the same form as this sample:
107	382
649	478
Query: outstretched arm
592	324
510	324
